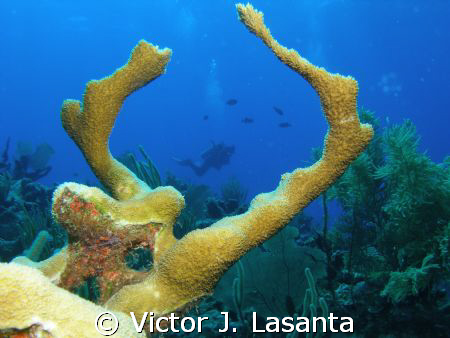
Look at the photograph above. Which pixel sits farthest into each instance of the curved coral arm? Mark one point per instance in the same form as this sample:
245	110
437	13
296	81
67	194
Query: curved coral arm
193	265
90	125
52	267
34	307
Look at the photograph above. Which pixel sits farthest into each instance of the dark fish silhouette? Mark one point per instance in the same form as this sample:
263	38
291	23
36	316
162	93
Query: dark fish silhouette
231	102
205	117
278	110
284	125
247	120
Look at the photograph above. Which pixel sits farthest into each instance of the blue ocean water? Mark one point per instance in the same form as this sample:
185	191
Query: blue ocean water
397	50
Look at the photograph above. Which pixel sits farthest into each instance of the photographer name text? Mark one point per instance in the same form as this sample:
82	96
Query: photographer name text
273	324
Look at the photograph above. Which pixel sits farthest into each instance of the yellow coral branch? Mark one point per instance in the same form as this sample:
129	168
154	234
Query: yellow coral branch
187	269
91	125
52	267
191	268
29	299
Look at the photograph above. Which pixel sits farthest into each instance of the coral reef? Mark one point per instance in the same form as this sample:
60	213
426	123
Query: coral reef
24	212
392	236
29	163
274	281
409	282
37	247
144	170
24	203
311	304
102	229
231	202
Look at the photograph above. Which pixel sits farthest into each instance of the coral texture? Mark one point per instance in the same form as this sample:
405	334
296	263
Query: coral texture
102	229
31	302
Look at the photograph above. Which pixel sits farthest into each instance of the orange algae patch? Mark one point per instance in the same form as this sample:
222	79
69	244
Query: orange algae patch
98	246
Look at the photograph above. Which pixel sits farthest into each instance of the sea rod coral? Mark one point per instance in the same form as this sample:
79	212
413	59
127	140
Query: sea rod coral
103	229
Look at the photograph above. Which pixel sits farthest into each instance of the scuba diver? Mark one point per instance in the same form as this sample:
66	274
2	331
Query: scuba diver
215	157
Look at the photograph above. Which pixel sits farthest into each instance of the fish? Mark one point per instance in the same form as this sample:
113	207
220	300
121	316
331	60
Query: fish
247	120
284	125
278	110
205	117
231	102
